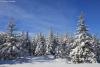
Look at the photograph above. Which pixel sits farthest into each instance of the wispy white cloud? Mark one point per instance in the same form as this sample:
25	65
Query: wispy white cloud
41	19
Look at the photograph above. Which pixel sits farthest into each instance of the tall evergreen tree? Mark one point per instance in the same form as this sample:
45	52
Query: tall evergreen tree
51	43
57	47
83	49
9	49
11	27
63	47
27	46
34	43
41	45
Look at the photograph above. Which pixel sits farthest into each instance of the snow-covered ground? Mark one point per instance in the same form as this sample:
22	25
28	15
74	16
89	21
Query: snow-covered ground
43	61
32	61
50	65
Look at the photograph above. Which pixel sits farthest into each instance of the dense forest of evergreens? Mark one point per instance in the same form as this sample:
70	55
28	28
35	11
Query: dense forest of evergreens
82	47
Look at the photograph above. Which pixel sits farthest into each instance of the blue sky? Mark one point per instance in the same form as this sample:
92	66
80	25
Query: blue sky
39	15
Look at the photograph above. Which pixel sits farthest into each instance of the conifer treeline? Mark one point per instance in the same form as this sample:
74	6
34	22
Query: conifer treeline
82	48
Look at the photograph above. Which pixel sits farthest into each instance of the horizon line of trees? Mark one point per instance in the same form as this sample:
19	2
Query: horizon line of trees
82	48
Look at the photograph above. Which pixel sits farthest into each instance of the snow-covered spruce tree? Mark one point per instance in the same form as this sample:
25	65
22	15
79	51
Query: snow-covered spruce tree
41	45
83	50
23	45
57	48
96	45
26	45
34	43
9	50
63	47
66	46
51	43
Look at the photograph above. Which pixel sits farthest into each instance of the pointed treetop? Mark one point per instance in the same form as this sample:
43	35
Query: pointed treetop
82	15
11	22
23	36
11	26
81	27
27	34
65	36
81	18
40	35
50	30
51	33
22	33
